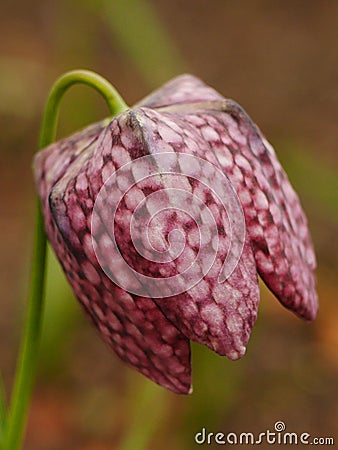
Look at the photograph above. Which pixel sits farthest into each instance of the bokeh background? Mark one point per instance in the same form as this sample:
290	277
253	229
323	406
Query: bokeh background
278	59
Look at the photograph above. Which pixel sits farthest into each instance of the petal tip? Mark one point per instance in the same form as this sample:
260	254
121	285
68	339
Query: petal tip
234	355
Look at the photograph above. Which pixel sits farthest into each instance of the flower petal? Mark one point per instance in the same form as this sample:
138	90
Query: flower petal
182	89
275	220
219	315
208	155
132	326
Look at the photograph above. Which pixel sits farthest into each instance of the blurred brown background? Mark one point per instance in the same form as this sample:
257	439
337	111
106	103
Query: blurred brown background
278	59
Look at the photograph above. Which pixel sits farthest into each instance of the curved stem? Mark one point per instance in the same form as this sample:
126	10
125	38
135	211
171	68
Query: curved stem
115	102
30	344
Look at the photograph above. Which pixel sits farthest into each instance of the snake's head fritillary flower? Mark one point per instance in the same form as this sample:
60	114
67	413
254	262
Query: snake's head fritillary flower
162	220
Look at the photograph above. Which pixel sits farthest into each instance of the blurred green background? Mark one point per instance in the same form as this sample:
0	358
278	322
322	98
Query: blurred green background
278	59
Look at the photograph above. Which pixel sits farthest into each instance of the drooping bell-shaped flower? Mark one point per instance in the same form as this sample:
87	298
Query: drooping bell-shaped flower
162	220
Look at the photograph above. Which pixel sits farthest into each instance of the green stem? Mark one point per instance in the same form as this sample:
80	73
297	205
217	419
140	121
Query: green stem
28	356
2	410
50	119
30	344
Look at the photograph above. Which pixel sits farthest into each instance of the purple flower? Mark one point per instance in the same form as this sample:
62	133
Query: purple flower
145	214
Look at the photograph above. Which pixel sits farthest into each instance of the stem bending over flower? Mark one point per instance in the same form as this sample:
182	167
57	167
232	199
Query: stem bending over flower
114	101
30	343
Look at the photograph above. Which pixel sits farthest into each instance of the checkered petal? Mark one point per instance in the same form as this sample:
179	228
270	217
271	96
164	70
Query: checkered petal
192	229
